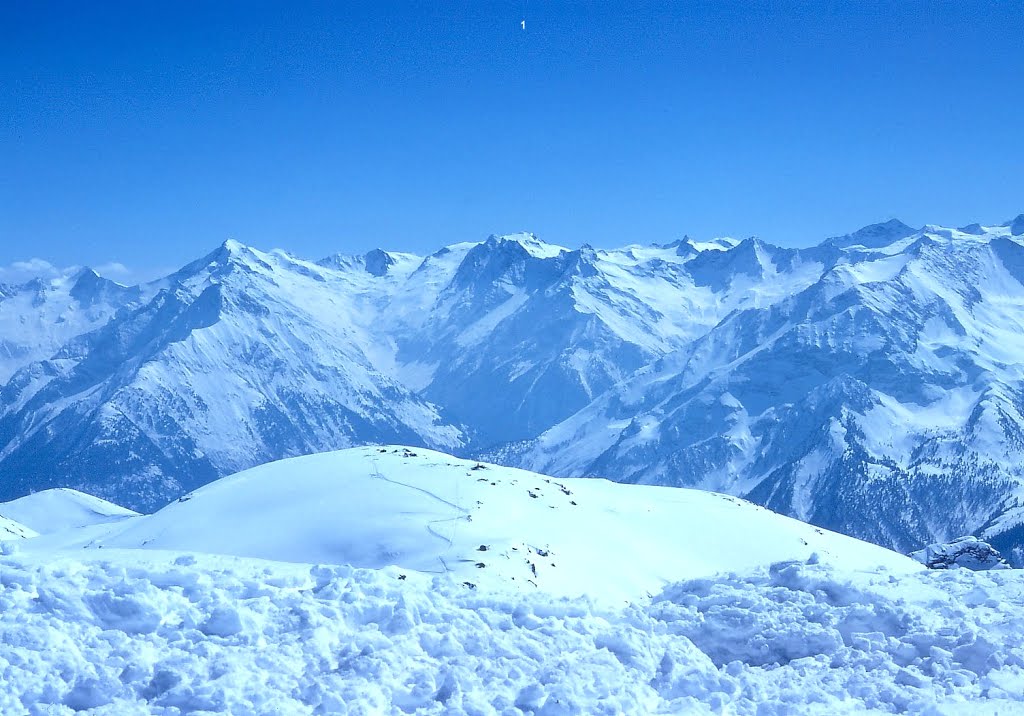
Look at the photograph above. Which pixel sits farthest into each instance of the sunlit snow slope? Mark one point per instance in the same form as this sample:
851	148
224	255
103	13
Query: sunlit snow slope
482	524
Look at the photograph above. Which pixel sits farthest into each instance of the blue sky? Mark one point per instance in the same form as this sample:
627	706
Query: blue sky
147	133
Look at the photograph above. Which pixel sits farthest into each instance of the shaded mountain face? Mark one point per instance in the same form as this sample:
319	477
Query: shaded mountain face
871	384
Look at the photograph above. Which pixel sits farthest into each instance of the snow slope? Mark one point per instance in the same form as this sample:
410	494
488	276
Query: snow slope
62	509
481	524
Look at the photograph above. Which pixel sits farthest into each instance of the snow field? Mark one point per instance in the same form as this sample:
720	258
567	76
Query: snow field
492	526
127	633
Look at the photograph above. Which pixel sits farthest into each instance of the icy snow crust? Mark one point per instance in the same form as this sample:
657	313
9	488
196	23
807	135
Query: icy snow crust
147	633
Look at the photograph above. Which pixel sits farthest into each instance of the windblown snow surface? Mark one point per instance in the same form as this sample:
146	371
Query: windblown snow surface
735	610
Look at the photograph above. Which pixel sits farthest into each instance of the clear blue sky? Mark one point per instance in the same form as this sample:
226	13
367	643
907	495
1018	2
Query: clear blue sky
150	132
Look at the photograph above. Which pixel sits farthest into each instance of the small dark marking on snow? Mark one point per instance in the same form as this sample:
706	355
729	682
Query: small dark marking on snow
482	548
480	565
401	576
572	502
469	584
478	466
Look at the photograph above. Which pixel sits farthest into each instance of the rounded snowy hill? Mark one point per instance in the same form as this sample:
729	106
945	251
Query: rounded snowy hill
59	509
484	525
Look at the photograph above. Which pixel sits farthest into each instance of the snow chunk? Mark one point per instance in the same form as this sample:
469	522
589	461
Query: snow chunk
968	552
136	633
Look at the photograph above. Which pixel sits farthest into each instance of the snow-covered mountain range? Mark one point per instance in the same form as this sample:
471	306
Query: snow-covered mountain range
872	384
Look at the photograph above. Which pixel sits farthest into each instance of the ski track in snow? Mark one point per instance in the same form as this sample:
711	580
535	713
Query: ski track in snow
430	523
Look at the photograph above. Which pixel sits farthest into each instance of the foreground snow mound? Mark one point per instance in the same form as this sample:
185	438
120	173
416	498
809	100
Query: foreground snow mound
60	509
152	633
968	552
484	524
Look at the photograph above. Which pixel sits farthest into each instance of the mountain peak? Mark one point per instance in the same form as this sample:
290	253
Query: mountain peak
229	255
85	280
529	241
874	236
233	247
974	229
1017	225
228	250
377	262
86	273
722	243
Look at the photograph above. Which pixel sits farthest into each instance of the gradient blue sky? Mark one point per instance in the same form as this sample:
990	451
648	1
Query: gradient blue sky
148	133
